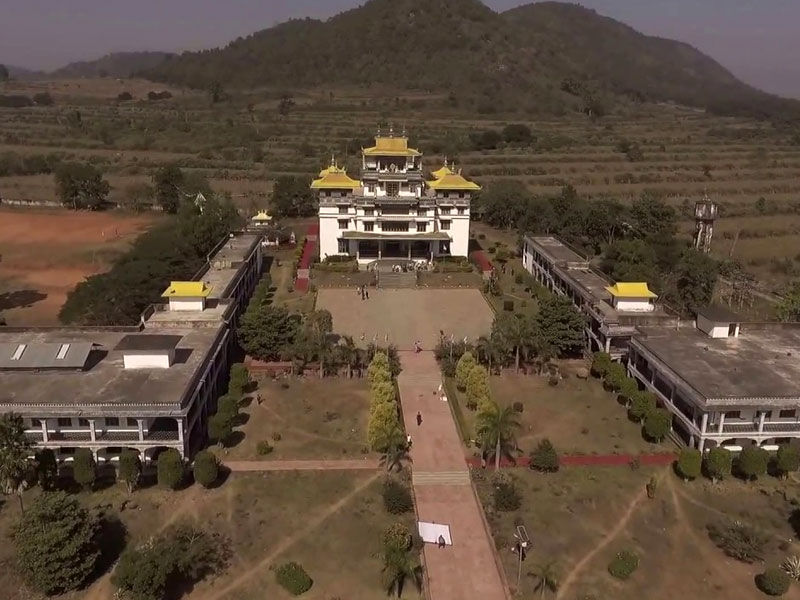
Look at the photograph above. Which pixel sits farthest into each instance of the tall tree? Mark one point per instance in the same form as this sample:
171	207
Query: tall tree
496	429
546	578
266	331
167	183
398	567
652	216
559	326
130	469
15	448
631	260
696	277
514	331
57	543
81	186
292	197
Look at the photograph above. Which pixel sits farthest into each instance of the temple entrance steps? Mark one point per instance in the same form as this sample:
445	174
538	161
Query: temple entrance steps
397	280
440	477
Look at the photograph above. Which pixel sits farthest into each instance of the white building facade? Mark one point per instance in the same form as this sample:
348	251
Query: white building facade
393	212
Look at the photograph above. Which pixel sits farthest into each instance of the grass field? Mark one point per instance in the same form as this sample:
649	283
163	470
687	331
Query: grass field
751	169
45	253
579	518
312	518
315	419
578	416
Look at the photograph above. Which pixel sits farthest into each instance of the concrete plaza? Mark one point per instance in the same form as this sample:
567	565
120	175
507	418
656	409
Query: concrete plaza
406	315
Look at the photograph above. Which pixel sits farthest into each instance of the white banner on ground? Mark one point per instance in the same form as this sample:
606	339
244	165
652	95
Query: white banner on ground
430	532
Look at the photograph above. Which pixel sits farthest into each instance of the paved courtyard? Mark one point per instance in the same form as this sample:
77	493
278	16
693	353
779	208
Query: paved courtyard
407	315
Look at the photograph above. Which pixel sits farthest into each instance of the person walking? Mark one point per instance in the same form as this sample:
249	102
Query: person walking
419	418
366	291
441	541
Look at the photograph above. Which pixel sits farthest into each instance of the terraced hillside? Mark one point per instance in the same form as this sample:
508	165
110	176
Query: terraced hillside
751	169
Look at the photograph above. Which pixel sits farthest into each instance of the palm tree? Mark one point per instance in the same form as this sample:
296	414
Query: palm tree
546	578
14	451
394	456
399	566
497	432
513	332
348	353
487	349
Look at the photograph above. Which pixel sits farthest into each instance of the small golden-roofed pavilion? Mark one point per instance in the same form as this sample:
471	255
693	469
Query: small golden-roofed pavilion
452	181
261	217
439	173
334	178
187	289
630	290
391	146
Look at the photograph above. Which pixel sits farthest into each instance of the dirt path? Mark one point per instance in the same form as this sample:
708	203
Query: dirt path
286	543
607	539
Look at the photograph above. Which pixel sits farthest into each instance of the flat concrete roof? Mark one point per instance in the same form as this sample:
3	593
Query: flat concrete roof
556	249
225	265
213	313
105	387
761	366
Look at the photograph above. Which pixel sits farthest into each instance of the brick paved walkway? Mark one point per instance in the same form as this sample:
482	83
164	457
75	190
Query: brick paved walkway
468	569
243	466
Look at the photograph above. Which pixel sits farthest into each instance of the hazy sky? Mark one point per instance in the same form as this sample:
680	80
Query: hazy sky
756	39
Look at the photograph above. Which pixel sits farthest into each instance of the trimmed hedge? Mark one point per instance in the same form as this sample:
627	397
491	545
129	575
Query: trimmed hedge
623	564
293	578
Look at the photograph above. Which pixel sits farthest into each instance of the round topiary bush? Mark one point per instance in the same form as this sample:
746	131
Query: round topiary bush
518	407
263	448
205	468
293	578
170	469
623	564
397	497
773	582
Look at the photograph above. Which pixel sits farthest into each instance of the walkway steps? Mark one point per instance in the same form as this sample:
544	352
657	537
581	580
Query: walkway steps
389	280
440	478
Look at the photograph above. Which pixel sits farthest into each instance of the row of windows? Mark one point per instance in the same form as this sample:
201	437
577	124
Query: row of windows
68	422
788	413
421	212
370	226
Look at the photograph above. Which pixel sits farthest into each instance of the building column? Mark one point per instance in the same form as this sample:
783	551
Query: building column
180	430
409	250
380	249
44	430
608	345
704	423
92	431
701	445
721	422
140	423
761	418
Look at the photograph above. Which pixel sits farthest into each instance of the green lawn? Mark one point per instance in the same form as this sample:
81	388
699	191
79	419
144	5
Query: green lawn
315	419
314	518
577	415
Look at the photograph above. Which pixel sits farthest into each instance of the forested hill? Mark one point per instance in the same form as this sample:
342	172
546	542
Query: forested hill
115	64
546	56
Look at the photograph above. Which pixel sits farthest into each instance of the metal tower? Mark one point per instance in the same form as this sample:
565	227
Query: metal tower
705	213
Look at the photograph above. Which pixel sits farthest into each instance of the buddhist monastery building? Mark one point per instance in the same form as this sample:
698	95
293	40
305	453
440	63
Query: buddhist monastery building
393	212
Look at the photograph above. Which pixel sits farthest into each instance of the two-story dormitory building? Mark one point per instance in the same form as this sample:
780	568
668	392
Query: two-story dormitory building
147	387
613	310
725	382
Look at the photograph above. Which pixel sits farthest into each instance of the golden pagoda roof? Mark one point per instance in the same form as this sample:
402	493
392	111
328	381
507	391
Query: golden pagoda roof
453	181
334	178
261	216
391	146
439	173
630	290
187	289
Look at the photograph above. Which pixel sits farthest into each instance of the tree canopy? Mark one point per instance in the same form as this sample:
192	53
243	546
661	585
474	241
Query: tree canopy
80	185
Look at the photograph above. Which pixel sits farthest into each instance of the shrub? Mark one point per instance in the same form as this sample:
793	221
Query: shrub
448	367
478	385
124	96
206	468
228	406
130	469
463	368
220	428
553	380
397	497
508	305
738	540
601	363
787	459
170	469
545	457
773	582
752	462
518	407
623	564
506	496
657	424
615	377
263	448
293	578
84	470
689	463
43	99
642	404
46	468
717	463
239	381
628	390
396	538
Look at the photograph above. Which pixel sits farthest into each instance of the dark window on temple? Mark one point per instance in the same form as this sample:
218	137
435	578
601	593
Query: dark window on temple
369	226
788	413
83	422
112	422
733	414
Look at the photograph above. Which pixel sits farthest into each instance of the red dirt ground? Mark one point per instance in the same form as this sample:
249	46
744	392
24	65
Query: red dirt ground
48	252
